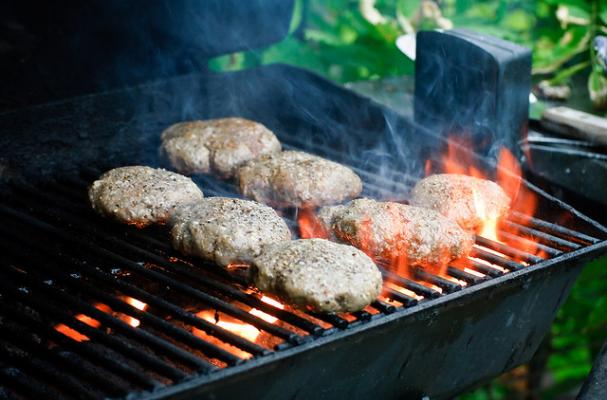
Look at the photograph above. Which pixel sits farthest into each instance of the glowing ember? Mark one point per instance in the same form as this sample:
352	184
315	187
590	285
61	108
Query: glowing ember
140	305
436	288
487	263
309	225
263	315
431	286
455	280
403	290
236	266
93	323
473	272
71	333
88	320
246	331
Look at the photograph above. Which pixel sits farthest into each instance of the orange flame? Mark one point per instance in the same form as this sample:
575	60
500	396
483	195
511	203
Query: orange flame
459	160
228	323
236	326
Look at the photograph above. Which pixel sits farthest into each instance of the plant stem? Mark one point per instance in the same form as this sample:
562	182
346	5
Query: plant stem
594	25
568	72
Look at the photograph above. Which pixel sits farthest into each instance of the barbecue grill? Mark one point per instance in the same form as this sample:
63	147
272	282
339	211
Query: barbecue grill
94	309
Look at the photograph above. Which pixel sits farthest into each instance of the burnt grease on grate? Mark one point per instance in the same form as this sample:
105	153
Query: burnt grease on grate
94	309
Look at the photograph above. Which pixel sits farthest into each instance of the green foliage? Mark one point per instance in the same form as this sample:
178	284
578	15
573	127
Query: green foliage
338	42
580	330
349	40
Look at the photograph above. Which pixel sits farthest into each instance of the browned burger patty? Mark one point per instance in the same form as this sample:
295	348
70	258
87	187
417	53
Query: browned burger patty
467	200
297	179
226	230
396	232
217	145
319	275
141	195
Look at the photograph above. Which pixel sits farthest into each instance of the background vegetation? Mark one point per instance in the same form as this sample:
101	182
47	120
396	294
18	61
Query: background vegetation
350	40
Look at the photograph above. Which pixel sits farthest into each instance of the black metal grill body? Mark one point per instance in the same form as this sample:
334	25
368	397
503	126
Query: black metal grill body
438	349
51	240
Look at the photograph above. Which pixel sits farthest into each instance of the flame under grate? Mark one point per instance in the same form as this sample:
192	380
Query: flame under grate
92	309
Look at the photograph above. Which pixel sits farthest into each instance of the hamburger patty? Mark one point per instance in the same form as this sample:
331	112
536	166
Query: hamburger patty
319	275
217	145
467	200
396	232
141	195
226	230
297	179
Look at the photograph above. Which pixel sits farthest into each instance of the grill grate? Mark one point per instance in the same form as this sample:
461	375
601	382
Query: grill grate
68	278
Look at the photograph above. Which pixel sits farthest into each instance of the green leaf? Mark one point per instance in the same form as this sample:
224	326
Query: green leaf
578	12
567	73
548	55
408	8
518	21
584	5
597	87
482	10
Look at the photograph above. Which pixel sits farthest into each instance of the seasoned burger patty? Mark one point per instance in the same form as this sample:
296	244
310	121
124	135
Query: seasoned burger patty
318	275
217	145
396	232
226	230
297	179
141	195
467	200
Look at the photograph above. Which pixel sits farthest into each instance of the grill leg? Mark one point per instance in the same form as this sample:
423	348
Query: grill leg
595	387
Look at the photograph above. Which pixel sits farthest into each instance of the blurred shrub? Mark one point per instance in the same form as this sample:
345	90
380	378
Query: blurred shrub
349	40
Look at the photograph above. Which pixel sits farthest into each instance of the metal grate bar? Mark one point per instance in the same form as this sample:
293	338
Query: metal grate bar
529	244
410	285
22	338
186	270
146	338
446	285
484	269
507	250
332	319
400	297
154	275
44	370
93	354
383	307
28	385
552	228
465	276
362	315
177	312
112	341
543	237
479	252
